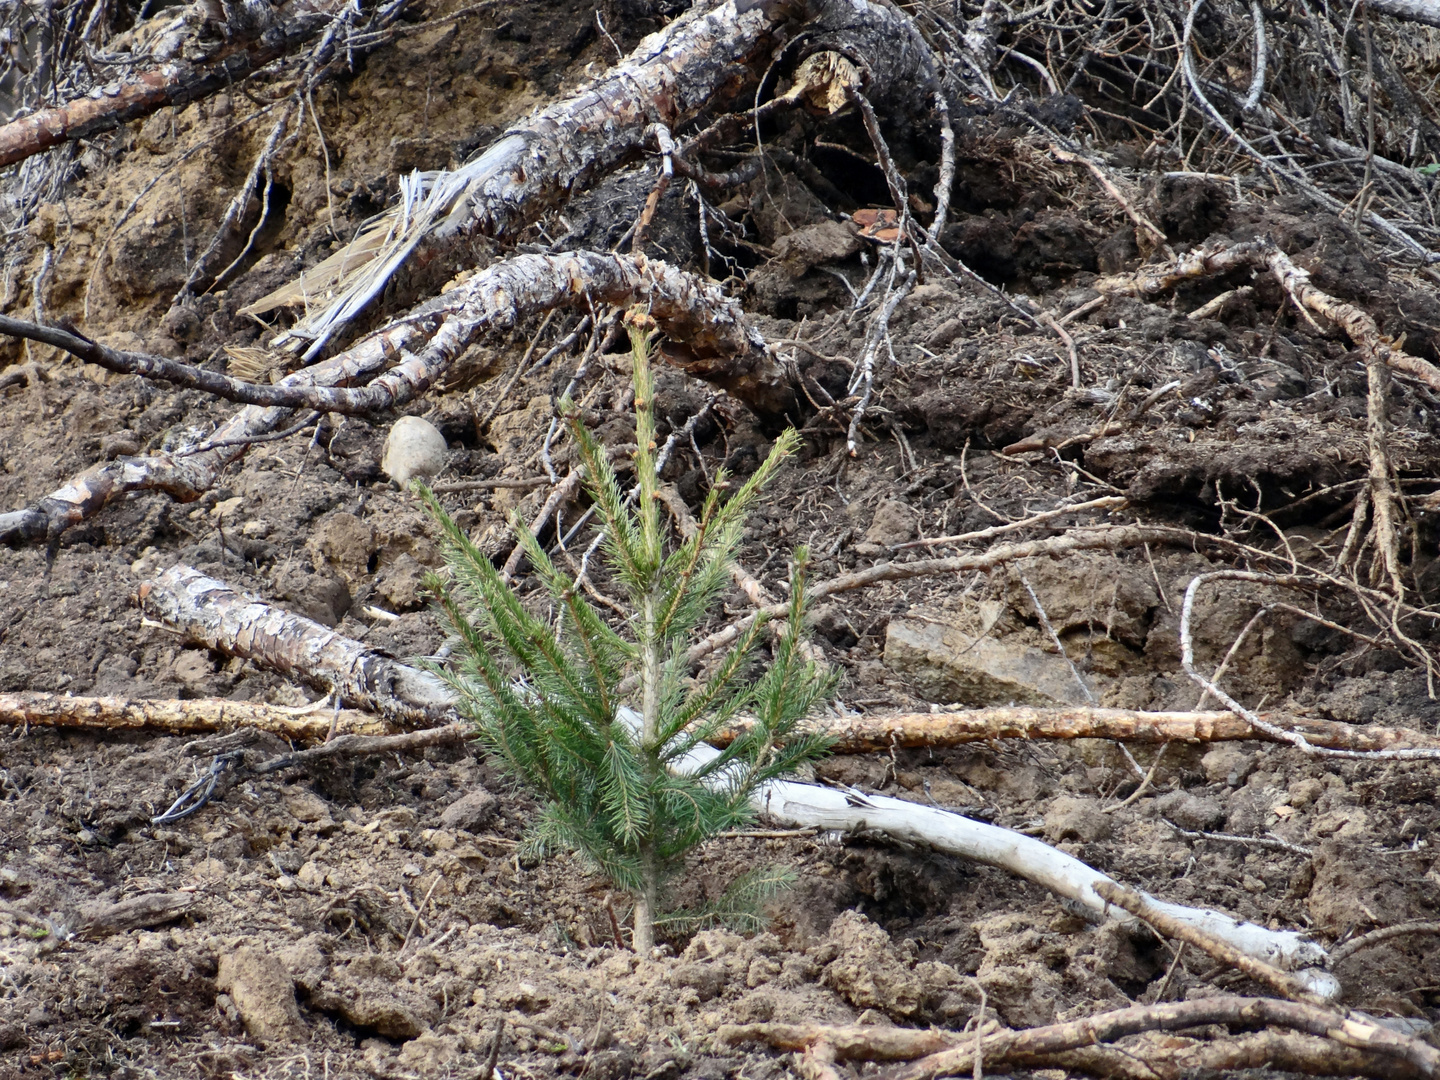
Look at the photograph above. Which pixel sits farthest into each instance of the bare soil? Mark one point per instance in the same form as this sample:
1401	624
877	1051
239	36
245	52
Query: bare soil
409	934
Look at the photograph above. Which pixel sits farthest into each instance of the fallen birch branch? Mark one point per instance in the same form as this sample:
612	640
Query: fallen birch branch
210	613
710	337
1267	975
707	335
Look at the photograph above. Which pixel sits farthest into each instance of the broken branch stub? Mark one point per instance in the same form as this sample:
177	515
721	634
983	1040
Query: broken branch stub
707	336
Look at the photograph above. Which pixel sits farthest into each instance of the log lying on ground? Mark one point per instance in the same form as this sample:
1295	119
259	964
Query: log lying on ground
177	82
701	60
707	336
188	717
1321	1042
209	612
872	733
1213	260
880	732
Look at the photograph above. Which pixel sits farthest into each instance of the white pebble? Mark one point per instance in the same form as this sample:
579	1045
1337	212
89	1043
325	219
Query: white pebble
413	448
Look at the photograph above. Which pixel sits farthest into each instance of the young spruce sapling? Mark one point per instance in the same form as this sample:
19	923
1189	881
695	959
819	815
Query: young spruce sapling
549	700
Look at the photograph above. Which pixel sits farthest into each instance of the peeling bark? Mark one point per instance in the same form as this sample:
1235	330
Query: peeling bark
210	613
708	338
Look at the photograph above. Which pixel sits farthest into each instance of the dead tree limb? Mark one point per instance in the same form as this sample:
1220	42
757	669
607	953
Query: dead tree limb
707	335
699	61
182	717
872	733
880	732
1291	1051
210	613
174	83
1019	1046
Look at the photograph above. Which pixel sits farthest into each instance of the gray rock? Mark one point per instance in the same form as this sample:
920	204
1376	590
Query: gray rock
948	665
414	448
471	812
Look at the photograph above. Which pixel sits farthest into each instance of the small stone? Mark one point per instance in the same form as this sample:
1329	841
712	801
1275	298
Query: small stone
472	812
414	449
893	523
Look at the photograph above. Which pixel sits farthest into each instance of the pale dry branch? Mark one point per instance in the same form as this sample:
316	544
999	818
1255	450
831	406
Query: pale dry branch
181	717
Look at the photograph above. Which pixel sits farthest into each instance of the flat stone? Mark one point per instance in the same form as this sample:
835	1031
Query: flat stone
950	666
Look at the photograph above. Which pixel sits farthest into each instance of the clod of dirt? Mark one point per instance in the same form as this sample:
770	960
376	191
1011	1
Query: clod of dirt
470	812
414	448
893	523
1195	812
1353	888
1084	591
1227	765
1079	819
343	544
264	995
868	974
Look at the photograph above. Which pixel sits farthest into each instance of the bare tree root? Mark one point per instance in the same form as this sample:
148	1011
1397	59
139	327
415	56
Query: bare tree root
182	717
699	60
708	337
1322	1043
1213	260
208	612
177	82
